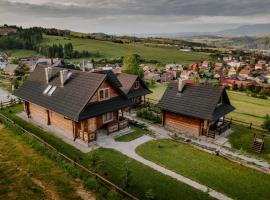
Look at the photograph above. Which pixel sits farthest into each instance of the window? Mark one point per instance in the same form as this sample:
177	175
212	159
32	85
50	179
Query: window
107	117
103	94
136	85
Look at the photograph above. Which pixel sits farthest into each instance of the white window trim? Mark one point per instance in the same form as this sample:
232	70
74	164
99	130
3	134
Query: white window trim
138	85
105	115
103	89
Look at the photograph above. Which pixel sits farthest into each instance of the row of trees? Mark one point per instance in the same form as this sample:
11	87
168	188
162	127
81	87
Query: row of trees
64	51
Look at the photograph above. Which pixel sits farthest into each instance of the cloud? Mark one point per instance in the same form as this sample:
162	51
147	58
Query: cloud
145	15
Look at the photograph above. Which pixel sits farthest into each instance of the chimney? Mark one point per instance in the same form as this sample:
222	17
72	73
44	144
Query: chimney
48	74
64	76
181	84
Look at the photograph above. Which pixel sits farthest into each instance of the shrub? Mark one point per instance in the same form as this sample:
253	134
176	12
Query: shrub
146	113
266	123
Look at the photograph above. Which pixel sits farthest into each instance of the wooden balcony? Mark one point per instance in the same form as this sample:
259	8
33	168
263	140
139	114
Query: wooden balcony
117	125
218	129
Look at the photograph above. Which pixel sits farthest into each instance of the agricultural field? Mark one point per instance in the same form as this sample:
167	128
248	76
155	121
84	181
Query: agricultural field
248	109
230	178
112	50
19	53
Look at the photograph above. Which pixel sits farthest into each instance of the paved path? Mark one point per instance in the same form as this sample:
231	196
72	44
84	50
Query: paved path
128	148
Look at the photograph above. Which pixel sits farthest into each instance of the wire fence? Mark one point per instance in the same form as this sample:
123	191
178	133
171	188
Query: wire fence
103	180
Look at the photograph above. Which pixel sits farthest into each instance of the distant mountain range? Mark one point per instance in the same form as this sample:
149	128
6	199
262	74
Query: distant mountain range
245	30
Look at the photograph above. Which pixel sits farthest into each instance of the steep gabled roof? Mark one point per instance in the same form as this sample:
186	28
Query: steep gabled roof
127	81
69	100
196	101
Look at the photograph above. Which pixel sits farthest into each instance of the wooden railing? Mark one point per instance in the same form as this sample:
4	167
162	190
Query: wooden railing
11	102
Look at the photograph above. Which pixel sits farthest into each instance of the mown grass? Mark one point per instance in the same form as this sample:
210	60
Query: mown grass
242	139
220	174
248	109
25	174
112	50
113	165
136	133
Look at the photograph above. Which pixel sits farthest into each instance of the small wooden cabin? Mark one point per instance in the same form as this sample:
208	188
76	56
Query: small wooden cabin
78	103
195	110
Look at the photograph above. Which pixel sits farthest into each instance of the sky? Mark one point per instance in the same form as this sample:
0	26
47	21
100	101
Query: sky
135	16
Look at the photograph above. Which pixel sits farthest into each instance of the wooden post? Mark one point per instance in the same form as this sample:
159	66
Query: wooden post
144	100
250	125
27	109
48	118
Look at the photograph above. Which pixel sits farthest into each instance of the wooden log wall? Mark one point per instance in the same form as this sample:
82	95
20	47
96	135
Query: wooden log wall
112	91
184	124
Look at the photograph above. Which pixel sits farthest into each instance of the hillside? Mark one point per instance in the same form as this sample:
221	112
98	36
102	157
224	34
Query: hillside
247	30
112	50
262	42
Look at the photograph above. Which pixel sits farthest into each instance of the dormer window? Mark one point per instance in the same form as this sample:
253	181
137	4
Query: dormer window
103	94
136	85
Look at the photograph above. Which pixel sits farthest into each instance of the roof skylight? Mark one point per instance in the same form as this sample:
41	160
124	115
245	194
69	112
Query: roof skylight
52	90
47	89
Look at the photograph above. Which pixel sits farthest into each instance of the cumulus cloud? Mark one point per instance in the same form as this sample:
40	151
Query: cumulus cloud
134	16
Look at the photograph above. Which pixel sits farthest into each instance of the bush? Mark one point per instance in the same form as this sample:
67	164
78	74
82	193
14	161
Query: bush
266	123
148	114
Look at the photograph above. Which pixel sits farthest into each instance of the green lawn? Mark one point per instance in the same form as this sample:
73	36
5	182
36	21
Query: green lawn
113	164
115	50
25	174
220	174
248	109
133	135
242	139
158	91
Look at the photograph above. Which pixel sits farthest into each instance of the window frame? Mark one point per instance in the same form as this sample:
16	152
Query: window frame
105	118
136	85
104	94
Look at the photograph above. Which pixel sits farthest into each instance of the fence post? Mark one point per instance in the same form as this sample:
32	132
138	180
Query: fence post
250	125
1	105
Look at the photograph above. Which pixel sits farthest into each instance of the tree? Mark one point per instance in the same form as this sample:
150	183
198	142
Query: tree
131	65
266	123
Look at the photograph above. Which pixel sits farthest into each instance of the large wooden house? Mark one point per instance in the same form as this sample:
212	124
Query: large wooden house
78	103
195	110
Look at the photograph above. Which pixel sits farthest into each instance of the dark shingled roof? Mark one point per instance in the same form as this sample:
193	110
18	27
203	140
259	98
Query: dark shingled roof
69	100
127	81
99	108
198	101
